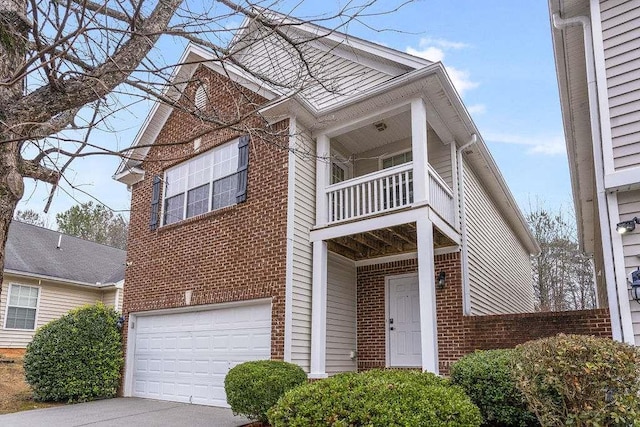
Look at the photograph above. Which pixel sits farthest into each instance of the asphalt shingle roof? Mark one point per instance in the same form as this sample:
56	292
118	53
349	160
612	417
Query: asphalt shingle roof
32	249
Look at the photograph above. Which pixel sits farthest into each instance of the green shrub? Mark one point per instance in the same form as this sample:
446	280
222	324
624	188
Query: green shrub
580	380
254	387
376	398
487	379
77	357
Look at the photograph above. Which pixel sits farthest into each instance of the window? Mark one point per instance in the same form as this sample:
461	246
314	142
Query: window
397	159
206	182
21	307
337	173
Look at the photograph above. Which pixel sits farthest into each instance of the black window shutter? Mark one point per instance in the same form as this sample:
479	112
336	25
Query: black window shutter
155	203
243	165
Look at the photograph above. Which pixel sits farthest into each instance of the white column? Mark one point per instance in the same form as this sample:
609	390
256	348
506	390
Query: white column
426	285
419	148
319	311
323	173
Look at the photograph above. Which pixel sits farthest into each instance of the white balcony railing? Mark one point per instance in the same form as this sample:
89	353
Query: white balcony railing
441	197
370	194
384	191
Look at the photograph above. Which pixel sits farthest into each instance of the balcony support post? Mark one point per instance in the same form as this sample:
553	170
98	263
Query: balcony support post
323	174
427	295
419	148
319	311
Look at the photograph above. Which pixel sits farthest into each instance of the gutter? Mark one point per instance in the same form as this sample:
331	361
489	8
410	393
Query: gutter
60	280
466	294
621	331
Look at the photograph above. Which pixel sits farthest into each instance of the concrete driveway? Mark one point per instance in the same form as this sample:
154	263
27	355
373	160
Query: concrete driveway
127	411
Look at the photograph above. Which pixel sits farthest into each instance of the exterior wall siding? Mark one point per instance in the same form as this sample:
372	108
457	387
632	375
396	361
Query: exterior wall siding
236	253
333	78
629	206
304	219
341	314
54	301
500	277
621	39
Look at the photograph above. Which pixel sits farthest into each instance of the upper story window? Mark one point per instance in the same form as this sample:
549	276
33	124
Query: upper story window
22	305
397	159
204	183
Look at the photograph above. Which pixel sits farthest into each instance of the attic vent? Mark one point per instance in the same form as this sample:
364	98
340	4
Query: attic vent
200	99
380	126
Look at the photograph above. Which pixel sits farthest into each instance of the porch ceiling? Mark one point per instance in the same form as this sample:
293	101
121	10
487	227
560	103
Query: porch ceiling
383	242
367	137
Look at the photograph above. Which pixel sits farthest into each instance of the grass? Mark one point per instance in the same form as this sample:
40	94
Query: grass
15	394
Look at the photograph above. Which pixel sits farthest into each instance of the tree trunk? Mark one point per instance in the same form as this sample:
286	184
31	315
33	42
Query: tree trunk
13	41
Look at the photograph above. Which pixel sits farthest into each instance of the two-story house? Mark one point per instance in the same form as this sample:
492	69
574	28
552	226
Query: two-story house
597	55
346	225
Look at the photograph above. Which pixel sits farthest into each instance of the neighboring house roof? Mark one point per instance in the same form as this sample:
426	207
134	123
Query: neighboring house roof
33	251
397	77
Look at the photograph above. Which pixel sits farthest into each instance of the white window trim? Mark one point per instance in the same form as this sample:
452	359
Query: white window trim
6	308
388	156
163	186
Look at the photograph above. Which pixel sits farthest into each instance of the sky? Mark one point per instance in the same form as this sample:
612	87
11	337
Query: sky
498	53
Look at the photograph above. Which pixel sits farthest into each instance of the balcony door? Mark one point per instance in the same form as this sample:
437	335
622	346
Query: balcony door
397	198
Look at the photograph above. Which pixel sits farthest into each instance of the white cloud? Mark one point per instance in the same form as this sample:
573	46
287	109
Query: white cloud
434	50
550	145
430	53
477	109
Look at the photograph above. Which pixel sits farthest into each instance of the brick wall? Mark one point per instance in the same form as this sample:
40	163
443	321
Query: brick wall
506	331
371	310
458	334
235	253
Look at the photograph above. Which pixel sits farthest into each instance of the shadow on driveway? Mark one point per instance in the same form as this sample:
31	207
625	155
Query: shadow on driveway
127	411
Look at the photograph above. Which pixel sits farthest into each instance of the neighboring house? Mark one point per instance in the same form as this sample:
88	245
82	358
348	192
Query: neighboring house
597	51
326	255
47	273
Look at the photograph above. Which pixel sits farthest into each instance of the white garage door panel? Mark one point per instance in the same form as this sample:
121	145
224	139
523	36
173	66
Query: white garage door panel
185	357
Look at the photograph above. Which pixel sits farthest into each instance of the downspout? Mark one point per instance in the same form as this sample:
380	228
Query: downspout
603	212
466	295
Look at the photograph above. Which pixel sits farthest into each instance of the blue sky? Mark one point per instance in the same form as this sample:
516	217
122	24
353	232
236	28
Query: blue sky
498	53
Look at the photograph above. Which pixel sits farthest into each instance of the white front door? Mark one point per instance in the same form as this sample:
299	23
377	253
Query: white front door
404	321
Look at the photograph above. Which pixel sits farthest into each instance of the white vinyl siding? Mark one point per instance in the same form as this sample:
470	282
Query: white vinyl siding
500	279
55	301
113	298
629	206
341	314
332	79
304	219
621	38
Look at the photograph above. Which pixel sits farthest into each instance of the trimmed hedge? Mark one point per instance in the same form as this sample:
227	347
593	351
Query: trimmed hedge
76	358
580	380
487	379
254	387
376	398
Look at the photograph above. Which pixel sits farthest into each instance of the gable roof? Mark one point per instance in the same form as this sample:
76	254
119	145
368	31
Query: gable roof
32	251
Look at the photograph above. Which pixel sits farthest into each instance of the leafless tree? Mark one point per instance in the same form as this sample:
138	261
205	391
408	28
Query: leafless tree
67	65
563	275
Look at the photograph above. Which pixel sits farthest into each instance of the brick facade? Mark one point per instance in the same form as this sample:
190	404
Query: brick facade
458	334
232	254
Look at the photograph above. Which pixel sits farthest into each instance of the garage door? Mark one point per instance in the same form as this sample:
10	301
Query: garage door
184	357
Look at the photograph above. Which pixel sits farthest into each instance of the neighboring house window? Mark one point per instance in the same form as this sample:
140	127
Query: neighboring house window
204	183
21	307
397	159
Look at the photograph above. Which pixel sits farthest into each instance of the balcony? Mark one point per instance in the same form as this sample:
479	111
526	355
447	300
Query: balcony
385	191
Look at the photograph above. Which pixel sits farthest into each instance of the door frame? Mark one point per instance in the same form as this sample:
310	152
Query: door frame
387	340
129	357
